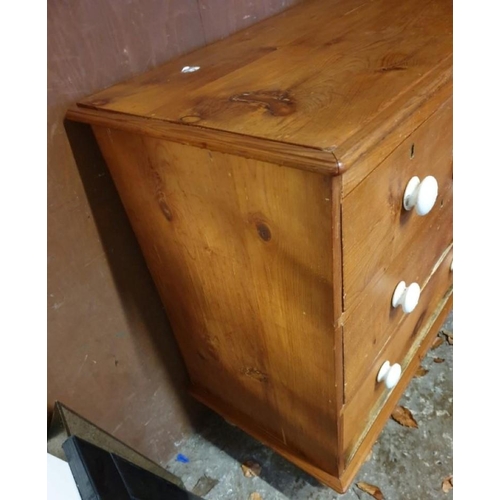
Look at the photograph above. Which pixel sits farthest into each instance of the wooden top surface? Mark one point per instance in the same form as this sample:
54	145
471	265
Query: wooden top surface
322	75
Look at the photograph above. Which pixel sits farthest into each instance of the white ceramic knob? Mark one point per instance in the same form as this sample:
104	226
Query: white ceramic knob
388	374
421	195
406	296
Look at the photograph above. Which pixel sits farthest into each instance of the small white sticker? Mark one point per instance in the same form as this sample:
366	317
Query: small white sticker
190	69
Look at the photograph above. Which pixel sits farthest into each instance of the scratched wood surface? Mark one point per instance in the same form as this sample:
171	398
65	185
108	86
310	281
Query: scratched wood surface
242	260
316	75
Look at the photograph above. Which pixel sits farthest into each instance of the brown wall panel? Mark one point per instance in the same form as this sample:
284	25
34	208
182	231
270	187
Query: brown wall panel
220	18
111	355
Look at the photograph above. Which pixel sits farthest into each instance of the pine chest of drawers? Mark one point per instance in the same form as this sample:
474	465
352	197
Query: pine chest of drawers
291	190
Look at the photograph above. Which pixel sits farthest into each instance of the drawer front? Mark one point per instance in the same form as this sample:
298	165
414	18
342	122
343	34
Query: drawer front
371	395
376	227
372	321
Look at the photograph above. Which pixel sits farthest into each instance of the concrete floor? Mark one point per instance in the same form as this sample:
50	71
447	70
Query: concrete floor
406	463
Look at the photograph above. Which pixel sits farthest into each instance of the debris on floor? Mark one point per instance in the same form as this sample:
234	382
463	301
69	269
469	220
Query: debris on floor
447	484
204	485
373	491
251	468
403	416
182	458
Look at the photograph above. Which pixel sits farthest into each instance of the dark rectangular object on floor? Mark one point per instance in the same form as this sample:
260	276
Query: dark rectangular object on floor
100	475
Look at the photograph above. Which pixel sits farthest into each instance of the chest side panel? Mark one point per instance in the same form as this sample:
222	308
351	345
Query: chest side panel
241	253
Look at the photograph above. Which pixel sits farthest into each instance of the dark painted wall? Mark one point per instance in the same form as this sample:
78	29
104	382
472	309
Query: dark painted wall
111	355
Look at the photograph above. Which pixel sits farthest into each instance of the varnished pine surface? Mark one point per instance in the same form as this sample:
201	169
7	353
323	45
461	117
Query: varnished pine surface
283	154
325	75
242	258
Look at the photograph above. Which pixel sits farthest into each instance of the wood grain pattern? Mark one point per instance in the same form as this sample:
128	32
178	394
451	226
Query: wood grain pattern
314	86
244	267
290	155
384	142
376	235
386	244
400	348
